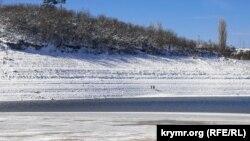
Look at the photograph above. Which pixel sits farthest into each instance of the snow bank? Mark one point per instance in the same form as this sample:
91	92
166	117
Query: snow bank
49	74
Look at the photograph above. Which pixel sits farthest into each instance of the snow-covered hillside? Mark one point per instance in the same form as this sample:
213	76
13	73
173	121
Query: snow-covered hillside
47	74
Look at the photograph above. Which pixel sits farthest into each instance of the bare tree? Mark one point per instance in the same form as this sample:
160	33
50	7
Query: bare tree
222	35
160	35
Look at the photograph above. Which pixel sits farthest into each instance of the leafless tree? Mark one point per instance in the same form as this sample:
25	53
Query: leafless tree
222	35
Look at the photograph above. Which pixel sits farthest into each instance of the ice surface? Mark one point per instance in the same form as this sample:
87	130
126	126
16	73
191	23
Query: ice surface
101	126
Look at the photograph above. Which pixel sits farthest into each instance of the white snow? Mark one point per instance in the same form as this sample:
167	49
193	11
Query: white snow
101	126
47	74
243	50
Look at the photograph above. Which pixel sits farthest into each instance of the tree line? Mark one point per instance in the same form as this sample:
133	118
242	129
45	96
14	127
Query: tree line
70	29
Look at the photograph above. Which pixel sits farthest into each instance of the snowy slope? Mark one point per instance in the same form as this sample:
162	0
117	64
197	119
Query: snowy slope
49	74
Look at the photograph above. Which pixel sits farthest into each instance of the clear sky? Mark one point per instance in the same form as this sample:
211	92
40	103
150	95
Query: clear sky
188	18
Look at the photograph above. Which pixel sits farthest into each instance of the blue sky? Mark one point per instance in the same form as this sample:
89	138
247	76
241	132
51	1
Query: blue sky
188	18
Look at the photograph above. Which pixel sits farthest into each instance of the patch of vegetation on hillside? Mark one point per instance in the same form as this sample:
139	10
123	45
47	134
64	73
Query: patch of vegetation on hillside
37	26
